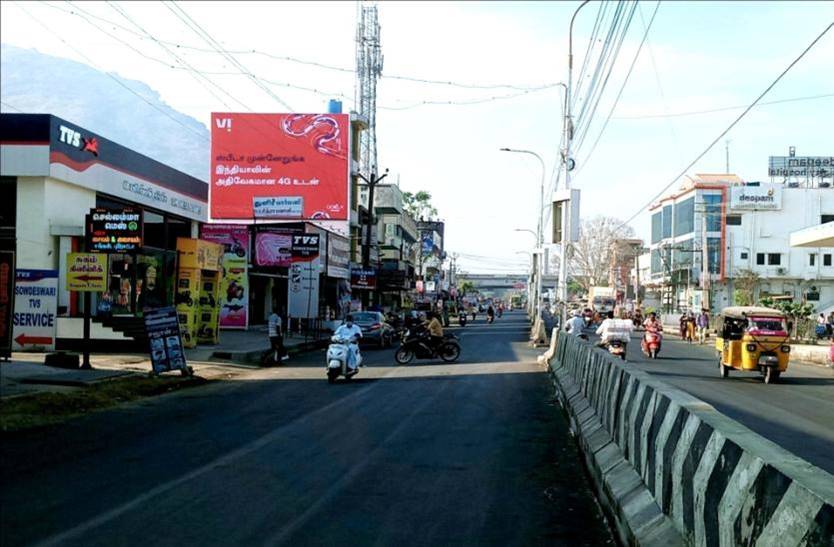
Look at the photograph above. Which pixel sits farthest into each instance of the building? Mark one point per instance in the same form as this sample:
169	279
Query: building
624	253
717	228
53	173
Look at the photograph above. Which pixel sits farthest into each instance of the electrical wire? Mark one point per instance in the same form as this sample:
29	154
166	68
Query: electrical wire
622	87
603	8
16	109
723	109
733	124
469	102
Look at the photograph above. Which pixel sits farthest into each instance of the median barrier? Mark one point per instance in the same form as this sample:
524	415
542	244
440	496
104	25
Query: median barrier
669	469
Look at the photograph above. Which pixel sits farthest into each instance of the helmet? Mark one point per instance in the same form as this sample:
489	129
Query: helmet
576	313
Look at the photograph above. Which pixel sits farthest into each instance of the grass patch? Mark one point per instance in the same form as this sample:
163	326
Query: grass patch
49	408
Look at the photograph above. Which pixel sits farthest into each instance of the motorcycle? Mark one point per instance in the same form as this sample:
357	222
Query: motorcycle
490	319
337	359
419	346
651	343
617	348
462	319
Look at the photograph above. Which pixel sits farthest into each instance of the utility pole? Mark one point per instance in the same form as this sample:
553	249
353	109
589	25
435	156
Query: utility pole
705	280
727	155
366	249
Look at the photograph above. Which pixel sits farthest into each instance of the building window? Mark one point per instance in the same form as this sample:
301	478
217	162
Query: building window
826	218
760	259
714	254
685	217
774	259
733	220
657	222
744	256
812	259
826	260
667	221
712	209
657	265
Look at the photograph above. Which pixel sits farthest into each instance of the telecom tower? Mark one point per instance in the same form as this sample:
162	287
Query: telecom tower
368	70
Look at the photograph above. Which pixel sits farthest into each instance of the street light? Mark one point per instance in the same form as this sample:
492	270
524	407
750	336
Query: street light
539	235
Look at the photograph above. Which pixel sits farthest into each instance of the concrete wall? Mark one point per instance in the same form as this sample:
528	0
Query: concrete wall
670	469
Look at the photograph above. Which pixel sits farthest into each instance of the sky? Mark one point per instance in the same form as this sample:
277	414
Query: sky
698	56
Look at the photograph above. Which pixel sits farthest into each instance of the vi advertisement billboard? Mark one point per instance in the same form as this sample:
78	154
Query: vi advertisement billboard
279	166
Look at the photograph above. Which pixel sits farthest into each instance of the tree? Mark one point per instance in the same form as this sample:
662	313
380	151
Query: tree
746	282
465	287
419	205
592	255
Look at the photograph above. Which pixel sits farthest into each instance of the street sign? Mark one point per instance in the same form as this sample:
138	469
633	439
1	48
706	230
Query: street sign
303	290
86	272
305	247
114	230
163	331
363	278
6	301
35	309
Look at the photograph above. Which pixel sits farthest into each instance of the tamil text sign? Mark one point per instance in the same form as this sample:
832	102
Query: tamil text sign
114	230
35	308
279	166
363	278
86	272
764	197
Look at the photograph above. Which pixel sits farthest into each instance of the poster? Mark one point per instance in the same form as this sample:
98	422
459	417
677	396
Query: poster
279	166
163	333
6	301
273	249
35	308
234	284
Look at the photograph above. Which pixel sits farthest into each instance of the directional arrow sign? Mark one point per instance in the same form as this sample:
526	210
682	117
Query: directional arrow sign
23	340
87	272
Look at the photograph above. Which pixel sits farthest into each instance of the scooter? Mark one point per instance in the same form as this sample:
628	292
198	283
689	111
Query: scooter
337	359
617	348
462	319
651	343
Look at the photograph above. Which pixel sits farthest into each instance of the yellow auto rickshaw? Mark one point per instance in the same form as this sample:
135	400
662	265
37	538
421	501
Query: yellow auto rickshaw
752	338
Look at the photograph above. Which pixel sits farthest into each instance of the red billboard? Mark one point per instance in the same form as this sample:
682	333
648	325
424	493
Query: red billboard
279	166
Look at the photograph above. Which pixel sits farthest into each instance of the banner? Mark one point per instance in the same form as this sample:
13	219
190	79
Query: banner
279	166
6	301
338	257
163	333
234	285
35	308
273	249
303	290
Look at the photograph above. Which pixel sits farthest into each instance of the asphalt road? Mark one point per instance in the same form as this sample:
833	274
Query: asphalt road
474	453
797	413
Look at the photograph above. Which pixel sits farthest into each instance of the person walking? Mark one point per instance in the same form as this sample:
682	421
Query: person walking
275	329
703	324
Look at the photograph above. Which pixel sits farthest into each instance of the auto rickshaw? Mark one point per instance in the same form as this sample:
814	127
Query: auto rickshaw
752	338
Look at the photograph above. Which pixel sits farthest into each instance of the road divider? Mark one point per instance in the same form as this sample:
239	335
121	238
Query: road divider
669	469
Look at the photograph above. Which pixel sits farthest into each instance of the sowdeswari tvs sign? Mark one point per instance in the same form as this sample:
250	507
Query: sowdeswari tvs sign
279	166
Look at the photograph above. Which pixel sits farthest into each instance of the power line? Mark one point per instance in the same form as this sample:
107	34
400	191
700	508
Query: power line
603	8
722	109
733	124
469	102
16	109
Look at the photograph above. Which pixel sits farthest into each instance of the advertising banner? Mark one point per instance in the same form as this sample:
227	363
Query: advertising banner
86	272
35	307
234	285
764	197
279	166
6	301
163	333
273	249
338	257
114	230
303	290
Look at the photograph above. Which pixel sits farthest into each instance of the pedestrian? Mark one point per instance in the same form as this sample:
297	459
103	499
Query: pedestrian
275	328
690	327
830	322
703	325
821	329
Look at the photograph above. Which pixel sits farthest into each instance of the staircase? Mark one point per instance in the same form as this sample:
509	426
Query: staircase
132	327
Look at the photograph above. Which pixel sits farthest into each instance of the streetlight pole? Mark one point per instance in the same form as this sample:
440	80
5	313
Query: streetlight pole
569	165
539	235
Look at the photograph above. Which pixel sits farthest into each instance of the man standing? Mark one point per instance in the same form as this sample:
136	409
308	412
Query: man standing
703	325
276	336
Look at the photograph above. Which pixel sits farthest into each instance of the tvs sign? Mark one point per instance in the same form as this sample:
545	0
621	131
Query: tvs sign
279	166
756	198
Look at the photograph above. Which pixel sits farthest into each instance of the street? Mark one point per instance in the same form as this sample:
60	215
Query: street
795	413
474	453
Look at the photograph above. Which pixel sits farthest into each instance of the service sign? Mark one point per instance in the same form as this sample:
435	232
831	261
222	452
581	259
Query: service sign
114	230
35	309
756	198
279	166
86	272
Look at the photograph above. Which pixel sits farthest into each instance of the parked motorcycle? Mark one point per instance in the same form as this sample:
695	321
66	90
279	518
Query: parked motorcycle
420	347
337	359
462	319
651	343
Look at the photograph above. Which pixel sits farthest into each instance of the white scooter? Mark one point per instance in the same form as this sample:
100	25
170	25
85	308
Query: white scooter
337	359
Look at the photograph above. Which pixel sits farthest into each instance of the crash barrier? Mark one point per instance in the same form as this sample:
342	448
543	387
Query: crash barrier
670	469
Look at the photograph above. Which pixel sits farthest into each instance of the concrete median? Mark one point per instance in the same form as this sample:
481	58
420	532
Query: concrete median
671	470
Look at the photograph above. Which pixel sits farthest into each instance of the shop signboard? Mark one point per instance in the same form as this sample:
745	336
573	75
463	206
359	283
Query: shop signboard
234	285
802	167
428	243
757	198
279	166
35	308
114	230
303	290
6	301
363	278
86	272
305	247
338	257
163	331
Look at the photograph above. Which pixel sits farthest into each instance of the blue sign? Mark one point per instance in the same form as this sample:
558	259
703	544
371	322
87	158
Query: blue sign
428	243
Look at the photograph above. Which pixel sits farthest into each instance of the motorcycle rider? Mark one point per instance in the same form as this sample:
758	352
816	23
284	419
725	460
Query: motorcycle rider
653	322
614	329
575	324
353	333
435	332
490	314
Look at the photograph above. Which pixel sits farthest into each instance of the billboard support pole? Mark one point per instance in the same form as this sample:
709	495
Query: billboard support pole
366	251
85	364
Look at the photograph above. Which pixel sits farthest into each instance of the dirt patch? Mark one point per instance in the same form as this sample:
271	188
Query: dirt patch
49	408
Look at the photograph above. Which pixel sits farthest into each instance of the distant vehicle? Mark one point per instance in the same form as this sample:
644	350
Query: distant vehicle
375	328
602	298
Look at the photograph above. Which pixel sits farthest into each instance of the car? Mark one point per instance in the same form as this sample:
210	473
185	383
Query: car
375	329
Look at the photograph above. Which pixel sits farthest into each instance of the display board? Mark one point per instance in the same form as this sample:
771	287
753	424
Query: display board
35	310
166	348
234	284
86	272
114	230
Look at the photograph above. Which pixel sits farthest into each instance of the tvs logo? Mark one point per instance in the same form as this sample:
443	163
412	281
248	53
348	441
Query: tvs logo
90	145
74	138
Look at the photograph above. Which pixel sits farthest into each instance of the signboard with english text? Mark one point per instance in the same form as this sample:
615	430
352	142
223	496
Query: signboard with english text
35	310
766	197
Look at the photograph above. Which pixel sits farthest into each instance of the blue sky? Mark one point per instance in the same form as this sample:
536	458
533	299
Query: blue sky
708	55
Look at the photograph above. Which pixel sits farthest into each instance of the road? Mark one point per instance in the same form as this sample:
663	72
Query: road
797	413
474	453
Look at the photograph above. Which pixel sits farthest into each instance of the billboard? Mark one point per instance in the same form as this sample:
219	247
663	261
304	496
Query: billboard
234	285
279	166
756	198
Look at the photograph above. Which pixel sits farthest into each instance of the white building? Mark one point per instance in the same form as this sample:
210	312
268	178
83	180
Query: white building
745	227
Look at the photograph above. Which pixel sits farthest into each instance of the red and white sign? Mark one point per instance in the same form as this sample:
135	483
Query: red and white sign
35	310
279	166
